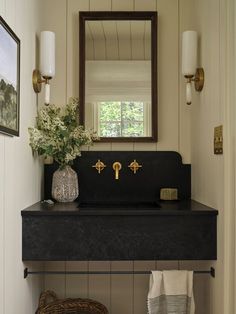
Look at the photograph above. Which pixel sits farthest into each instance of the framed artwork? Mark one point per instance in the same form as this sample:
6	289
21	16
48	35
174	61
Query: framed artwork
9	80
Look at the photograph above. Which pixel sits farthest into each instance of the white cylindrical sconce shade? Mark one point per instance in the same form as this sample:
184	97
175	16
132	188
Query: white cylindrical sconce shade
189	53
47	54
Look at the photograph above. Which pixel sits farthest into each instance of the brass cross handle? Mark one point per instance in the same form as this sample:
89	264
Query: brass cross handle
134	166
99	166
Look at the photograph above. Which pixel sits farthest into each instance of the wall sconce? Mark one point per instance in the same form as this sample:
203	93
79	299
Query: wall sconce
189	64
47	64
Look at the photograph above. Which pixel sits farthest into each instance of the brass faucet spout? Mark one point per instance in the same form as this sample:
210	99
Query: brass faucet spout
117	167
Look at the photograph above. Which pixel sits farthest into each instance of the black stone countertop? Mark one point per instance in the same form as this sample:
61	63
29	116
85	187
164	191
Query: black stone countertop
169	208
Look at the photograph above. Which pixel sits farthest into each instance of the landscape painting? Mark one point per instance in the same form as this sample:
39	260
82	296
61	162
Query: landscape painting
9	80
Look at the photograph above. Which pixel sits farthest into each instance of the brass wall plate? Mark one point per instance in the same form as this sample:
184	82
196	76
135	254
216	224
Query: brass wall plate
36	79
218	140
169	194
199	79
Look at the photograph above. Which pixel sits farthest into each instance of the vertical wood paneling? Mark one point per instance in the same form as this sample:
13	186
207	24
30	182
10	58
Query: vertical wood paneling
56	21
101	147
207	168
122	5
204	120
141	285
149	5
112	44
100	285
56	283
18	186
10	218
225	268
2	203
10	7
72	45
122	289
2	220
168	75
122	146
201	285
101	5
77	285
124	294
2	8
89	48
127	293
186	21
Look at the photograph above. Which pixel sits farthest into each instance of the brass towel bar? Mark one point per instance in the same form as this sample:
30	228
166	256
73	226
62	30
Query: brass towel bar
44	272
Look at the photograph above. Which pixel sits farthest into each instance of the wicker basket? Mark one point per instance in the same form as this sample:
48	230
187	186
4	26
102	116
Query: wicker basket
50	304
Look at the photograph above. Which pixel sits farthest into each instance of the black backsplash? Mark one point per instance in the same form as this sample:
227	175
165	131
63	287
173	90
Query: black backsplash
159	170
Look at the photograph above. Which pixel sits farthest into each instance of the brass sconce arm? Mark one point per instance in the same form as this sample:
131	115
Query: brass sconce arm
37	80
198	80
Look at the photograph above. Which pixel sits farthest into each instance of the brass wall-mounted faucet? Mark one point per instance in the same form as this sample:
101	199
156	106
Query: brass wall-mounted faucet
117	167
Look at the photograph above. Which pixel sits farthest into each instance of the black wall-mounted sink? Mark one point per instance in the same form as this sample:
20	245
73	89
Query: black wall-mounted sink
122	219
64	232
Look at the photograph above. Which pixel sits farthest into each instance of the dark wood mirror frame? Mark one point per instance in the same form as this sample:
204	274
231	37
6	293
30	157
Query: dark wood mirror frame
120	15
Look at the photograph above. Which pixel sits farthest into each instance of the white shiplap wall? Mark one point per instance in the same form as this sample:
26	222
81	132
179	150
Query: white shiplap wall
126	294
208	112
20	173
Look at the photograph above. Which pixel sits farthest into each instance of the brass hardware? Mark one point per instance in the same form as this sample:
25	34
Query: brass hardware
198	79
36	78
117	167
169	194
134	166
99	166
218	140
37	81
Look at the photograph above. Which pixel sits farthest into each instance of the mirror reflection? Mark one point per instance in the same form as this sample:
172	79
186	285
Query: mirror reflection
118	77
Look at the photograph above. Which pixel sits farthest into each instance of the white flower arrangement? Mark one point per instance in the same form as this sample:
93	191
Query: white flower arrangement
58	135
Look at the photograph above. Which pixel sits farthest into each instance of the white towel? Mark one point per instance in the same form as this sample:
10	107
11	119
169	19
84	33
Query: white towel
171	292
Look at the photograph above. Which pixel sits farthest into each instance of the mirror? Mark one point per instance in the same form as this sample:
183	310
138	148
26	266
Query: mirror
118	75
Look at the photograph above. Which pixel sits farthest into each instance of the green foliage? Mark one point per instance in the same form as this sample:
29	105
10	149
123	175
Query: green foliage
57	134
8	105
119	119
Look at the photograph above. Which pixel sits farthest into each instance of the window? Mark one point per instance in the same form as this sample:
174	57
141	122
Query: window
122	118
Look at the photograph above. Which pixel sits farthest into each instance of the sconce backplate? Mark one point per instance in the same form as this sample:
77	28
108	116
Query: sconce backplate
199	79
36	78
